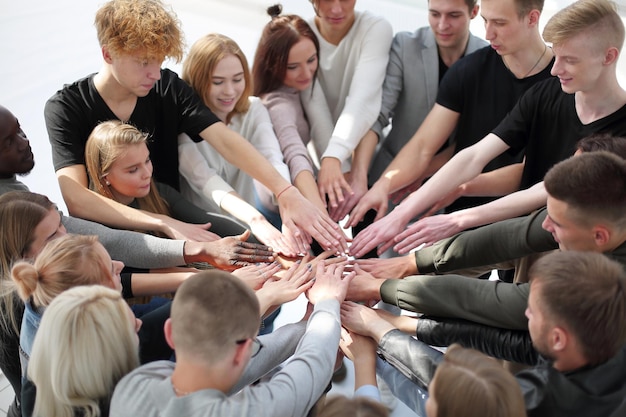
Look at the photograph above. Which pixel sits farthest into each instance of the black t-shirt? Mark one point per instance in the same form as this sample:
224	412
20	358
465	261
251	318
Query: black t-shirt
546	124
170	108
482	90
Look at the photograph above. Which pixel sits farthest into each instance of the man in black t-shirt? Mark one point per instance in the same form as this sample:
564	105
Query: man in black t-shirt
476	93
549	119
135	37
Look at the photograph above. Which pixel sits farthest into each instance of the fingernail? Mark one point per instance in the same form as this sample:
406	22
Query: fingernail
299	261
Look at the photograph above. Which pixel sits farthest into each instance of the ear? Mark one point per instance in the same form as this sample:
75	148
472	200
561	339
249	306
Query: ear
474	11
242	354
106	55
167	330
610	56
533	17
601	235
560	338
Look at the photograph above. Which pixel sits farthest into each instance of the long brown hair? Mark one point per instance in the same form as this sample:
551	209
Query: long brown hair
272	53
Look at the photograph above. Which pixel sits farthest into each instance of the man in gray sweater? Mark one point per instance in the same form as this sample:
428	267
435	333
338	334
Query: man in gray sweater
212	358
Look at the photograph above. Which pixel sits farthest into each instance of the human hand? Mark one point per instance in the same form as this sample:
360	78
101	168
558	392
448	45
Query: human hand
331	182
393	268
376	198
176	229
256	275
329	283
272	237
233	252
298	213
447	200
382	232
426	231
357	347
301	239
358	183
277	291
363	320
364	287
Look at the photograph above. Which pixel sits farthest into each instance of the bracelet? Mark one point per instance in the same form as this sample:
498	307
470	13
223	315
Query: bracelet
286	188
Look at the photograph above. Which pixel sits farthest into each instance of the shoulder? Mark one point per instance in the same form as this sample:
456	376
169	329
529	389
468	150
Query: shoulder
373	26
422	36
137	386
279	96
78	90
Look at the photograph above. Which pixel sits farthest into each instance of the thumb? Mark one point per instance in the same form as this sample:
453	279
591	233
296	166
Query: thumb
244	236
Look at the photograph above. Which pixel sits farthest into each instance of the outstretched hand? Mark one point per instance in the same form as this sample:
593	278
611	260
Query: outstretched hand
426	231
233	252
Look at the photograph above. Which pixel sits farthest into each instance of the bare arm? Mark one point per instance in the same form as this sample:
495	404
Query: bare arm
295	210
84	203
464	166
412	161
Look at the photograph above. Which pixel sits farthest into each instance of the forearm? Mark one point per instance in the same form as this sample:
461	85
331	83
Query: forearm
363	154
156	283
139	250
239	152
84	203
305	183
502	181
464	166
509	206
240	209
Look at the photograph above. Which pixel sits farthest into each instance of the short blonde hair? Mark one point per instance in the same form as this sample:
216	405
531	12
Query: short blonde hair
342	406
66	262
84	345
107	142
146	26
471	384
598	18
211	311
200	63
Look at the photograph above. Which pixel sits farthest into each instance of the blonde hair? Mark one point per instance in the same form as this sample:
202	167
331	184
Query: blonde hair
218	298
107	142
84	345
471	384
20	213
66	262
598	18
146	26
200	63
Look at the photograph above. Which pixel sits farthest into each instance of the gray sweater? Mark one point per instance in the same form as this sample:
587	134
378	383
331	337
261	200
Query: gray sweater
137	250
148	391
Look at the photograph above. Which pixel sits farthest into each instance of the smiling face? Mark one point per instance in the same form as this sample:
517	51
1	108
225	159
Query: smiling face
16	156
449	21
579	64
130	175
226	86
134	73
567	232
301	65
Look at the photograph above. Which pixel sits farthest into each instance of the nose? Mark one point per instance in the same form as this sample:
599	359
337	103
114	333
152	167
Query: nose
547	224
443	22
228	87
154	71
490	33
557	68
526	313
118	266
147	171
336	7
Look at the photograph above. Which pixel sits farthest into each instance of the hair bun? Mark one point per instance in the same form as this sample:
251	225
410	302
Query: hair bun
275	10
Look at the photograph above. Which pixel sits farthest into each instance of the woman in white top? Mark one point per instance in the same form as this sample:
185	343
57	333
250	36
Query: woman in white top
218	70
346	100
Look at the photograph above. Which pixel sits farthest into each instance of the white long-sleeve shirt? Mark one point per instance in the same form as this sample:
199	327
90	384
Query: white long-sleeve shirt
207	177
350	80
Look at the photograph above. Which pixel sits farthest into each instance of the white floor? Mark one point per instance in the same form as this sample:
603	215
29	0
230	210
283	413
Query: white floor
46	44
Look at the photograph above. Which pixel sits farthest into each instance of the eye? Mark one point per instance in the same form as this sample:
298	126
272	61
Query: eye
292	67
237	80
218	82
312	59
